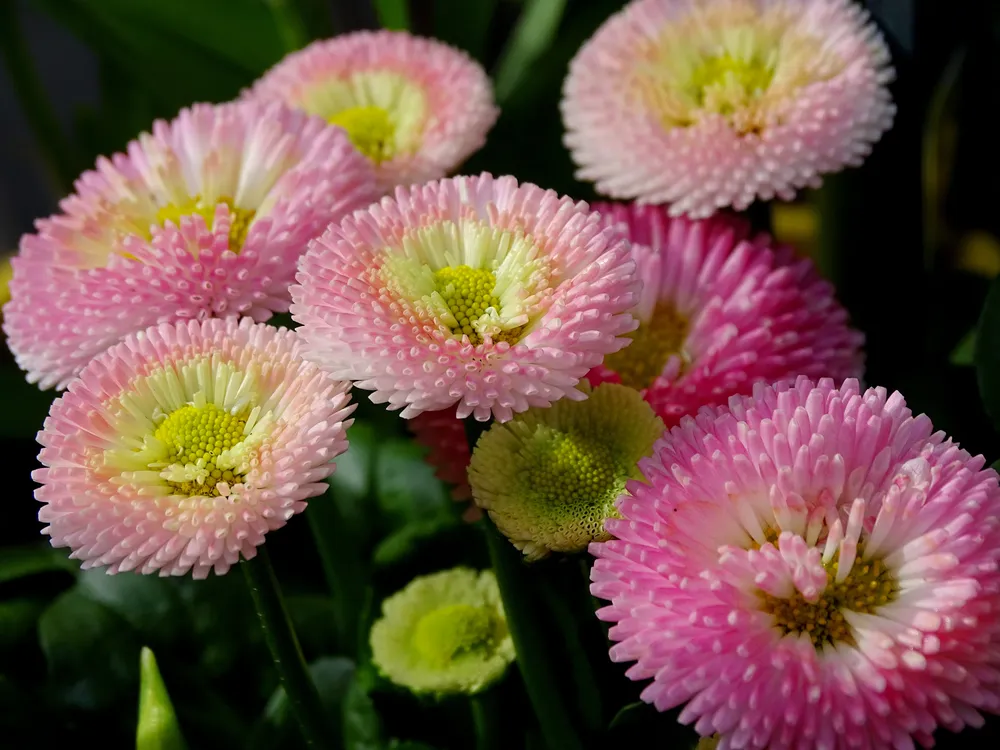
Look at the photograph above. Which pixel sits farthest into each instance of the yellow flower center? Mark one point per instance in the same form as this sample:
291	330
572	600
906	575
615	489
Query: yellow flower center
451	631
725	83
469	293
578	472
242	217
867	587
196	436
653	343
370	129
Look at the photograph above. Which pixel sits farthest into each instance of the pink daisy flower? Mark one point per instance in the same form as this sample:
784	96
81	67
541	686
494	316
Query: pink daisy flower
416	107
811	567
721	310
178	449
705	104
204	217
472	292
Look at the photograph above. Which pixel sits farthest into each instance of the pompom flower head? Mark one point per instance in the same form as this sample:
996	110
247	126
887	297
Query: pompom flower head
811	567
721	310
204	217
445	633
550	477
178	449
417	108
705	104
471	291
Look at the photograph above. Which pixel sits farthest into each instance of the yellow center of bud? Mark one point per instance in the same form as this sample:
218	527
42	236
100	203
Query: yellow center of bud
575	470
451	631
242	217
370	129
725	83
469	293
642	361
867	587
196	436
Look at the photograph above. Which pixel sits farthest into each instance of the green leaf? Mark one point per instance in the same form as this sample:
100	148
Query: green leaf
18	562
964	354
92	653
181	51
150	604
402	545
987	353
405	485
535	31
362	727
393	14
18	618
157	728
628	714
352	484
333	677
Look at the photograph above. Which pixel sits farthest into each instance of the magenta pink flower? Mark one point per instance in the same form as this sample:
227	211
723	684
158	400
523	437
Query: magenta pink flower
204	217
416	107
178	449
472	292
811	567
705	104
720	311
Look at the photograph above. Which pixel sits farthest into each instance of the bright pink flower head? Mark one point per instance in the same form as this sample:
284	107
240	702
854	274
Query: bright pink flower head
471	291
721	310
178	449
811	567
205	217
705	104
416	107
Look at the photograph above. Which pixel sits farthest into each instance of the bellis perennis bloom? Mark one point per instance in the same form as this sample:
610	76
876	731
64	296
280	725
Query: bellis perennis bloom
472	292
445	633
721	310
549	477
206	216
711	103
415	107
811	567
178	449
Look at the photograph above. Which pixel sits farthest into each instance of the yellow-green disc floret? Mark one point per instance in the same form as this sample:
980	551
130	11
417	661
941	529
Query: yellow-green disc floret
444	633
550	477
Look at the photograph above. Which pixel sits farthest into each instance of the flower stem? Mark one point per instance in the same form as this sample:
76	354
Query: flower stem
523	596
484	718
523	611
284	646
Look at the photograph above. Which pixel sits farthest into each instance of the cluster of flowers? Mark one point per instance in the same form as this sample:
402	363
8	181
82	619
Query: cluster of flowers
785	553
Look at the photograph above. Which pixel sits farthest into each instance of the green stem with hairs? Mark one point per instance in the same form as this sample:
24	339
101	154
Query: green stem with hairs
523	603
283	643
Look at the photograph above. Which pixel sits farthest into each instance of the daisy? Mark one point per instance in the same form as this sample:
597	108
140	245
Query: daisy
204	217
178	449
704	104
471	293
417	108
809	567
